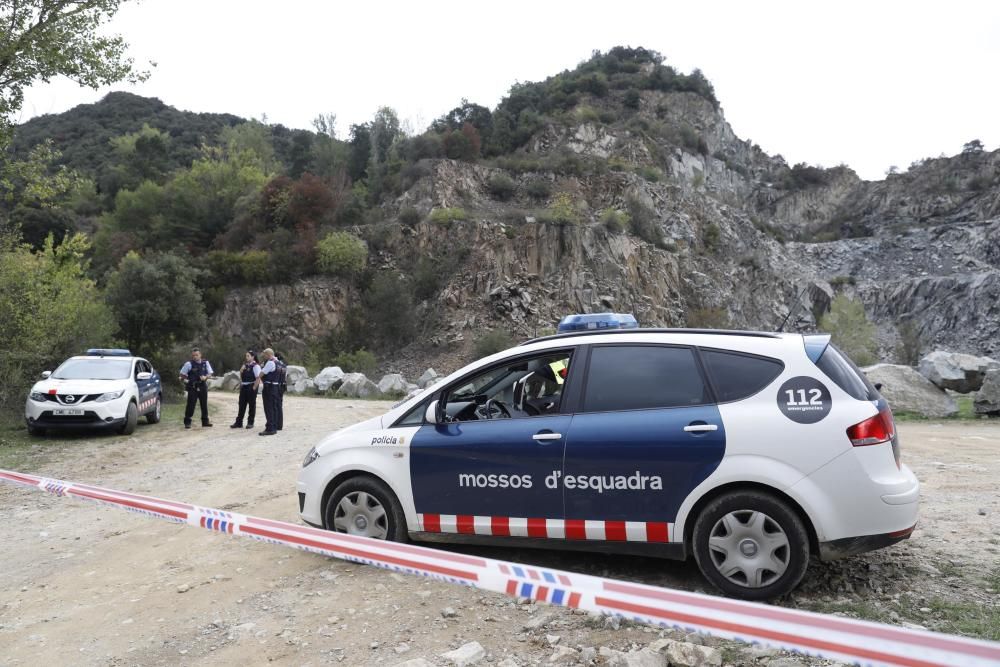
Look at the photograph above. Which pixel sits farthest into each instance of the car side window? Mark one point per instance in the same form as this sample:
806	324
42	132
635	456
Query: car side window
640	377
527	387
737	376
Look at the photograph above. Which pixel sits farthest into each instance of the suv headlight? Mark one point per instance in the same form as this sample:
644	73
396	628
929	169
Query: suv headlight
310	457
109	396
38	396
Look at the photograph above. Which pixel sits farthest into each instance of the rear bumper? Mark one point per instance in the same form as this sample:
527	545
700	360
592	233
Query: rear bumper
850	546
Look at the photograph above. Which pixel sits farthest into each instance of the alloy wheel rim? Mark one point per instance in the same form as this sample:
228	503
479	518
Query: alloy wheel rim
749	548
360	513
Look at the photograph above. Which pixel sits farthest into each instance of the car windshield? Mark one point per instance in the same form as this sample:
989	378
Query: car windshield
94	369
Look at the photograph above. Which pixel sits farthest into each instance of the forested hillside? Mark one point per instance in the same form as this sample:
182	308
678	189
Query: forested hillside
615	185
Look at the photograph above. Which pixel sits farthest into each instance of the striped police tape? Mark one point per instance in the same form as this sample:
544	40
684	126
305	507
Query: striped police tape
832	637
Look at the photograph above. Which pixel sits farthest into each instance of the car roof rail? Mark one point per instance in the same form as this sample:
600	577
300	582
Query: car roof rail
620	332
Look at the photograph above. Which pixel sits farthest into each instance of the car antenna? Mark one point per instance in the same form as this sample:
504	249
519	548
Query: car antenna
798	302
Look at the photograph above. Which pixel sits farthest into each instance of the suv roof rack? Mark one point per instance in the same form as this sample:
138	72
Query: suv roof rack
107	352
618	332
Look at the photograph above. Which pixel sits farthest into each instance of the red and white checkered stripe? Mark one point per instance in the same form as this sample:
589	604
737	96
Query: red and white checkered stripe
557	529
832	637
147	404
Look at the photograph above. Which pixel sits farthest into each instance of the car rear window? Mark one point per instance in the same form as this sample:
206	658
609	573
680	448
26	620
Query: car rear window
638	377
839	368
736	376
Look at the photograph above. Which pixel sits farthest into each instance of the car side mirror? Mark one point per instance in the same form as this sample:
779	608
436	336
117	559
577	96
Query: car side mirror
432	414
143	376
46	374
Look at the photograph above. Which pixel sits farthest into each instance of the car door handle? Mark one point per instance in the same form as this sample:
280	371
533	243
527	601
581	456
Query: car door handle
542	437
700	428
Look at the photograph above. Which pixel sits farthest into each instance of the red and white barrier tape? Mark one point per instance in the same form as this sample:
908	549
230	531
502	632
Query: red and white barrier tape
833	637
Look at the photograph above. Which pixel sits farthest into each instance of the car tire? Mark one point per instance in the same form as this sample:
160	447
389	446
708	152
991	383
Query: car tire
751	545
35	431
131	419
365	506
154	416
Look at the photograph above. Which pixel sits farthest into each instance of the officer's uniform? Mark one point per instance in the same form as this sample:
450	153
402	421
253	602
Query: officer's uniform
272	390
282	379
197	389
248	394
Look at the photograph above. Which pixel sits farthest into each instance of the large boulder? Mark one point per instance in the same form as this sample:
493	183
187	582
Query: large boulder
392	384
302	386
214	383
328	379
909	391
959	372
428	378
356	385
295	373
987	400
231	381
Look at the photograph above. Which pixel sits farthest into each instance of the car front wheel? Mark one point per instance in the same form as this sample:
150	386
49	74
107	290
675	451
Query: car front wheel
131	419
751	545
367	507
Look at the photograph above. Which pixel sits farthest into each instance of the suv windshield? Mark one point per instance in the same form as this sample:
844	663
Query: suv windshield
94	369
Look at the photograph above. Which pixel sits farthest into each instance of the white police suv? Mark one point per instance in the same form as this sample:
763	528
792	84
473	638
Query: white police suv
749	451
100	389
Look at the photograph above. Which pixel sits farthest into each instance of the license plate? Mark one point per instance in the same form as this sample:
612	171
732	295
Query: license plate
68	412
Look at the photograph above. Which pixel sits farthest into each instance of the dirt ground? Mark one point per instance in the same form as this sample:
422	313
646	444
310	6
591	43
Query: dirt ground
86	584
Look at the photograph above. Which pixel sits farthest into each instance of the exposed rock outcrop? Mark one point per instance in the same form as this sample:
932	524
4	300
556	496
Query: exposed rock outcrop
987	401
963	373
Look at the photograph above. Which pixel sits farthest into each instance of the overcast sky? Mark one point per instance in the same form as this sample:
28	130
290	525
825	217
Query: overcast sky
870	84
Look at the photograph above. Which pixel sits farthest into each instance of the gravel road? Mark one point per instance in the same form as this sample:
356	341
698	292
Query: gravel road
85	584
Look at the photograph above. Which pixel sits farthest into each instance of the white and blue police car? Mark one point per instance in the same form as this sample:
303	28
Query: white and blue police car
103	388
749	451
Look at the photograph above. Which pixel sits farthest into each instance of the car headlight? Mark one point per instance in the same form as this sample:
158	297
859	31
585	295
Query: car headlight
38	396
310	457
109	396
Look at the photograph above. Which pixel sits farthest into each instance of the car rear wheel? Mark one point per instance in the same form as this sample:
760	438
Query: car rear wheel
367	507
751	545
154	416
131	419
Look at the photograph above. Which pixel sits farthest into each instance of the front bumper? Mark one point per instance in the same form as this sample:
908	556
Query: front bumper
108	414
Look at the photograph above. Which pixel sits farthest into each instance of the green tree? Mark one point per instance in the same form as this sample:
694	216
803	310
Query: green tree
851	331
251	139
51	310
341	253
155	301
44	39
389	310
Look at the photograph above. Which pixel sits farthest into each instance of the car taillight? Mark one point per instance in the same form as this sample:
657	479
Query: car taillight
874	430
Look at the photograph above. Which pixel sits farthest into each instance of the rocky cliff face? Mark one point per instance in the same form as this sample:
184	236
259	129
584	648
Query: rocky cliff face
739	241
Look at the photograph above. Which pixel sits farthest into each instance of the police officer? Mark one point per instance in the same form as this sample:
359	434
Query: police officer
279	419
272	388
248	392
193	374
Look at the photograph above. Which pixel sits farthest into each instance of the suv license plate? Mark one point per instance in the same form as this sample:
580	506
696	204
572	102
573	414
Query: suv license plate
68	412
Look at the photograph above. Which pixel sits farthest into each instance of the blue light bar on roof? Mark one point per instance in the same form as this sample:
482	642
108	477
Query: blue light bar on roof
110	352
593	321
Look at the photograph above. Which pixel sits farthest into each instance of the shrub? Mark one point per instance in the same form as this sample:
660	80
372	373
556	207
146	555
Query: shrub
708	318
538	189
642	221
632	99
909	348
409	216
501	187
492	342
562	210
231	268
851	331
840	281
388	310
446	216
341	253
711	236
614	221
651	174
359	361
586	114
